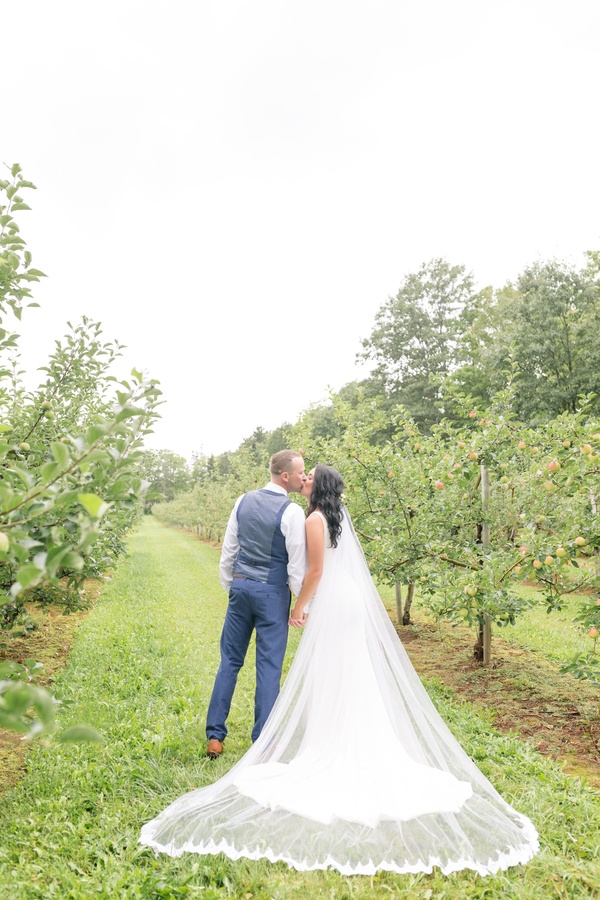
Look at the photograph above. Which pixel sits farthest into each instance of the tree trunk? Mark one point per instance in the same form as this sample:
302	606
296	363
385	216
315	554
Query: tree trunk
403	610
409	599
485	628
482	649
478	646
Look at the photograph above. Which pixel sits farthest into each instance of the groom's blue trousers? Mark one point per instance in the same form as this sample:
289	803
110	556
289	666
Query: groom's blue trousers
252	605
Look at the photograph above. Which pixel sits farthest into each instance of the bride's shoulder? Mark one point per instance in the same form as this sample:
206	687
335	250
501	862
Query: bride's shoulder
316	520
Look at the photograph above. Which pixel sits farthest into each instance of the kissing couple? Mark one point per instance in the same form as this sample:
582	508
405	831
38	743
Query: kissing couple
351	766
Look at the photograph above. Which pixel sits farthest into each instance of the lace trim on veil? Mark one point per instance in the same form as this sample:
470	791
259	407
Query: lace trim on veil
504	861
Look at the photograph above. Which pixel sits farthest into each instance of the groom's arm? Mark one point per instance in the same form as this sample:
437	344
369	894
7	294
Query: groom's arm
230	548
294	532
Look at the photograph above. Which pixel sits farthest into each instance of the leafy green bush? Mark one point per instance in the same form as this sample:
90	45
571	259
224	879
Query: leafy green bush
68	449
69	486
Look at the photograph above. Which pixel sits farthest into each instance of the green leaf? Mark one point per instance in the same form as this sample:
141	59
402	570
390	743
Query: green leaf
44	704
80	733
94	505
128	412
32	665
97	455
61	454
18	698
23	474
12	722
56	557
49	470
10	669
72	560
65	498
27	574
94	432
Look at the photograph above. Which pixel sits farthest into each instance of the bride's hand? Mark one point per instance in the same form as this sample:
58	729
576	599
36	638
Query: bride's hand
298	618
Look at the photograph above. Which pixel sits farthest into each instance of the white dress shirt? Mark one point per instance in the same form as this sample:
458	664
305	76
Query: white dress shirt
293	530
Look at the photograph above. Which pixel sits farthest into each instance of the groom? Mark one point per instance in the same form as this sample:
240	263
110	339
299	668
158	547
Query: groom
263	556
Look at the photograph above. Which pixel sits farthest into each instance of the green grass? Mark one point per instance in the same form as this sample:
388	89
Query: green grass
554	634
141	671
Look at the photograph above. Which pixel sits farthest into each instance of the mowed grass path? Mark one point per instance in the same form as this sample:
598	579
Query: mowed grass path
141	671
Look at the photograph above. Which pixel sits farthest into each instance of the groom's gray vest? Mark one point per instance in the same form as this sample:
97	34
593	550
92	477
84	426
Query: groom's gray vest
262	555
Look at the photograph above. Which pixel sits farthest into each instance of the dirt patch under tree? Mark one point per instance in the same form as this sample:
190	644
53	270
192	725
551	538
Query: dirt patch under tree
555	713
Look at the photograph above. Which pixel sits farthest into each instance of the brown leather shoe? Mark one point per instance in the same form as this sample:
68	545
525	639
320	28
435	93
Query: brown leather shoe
214	749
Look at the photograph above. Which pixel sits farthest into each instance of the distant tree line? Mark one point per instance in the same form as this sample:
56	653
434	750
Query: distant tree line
439	340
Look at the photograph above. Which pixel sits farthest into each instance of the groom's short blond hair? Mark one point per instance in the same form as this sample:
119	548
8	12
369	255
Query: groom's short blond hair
283	461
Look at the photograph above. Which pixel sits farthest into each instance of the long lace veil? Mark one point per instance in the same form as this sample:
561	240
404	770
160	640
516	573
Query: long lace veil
354	769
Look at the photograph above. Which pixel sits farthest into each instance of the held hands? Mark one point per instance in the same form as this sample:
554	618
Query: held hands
298	617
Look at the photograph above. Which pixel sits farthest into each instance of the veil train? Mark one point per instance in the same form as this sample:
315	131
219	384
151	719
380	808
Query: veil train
354	769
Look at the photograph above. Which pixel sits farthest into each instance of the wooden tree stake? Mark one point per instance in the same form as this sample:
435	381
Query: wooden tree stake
399	602
485	543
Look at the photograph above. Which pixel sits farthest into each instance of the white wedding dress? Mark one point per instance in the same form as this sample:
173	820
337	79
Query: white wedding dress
354	768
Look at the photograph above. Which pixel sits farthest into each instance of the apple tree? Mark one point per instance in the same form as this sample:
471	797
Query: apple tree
206	508
68	449
467	512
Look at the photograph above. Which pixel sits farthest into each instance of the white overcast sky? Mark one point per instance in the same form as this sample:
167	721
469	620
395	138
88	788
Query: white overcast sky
233	188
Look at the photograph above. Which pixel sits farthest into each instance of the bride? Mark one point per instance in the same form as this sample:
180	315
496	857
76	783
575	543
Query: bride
354	768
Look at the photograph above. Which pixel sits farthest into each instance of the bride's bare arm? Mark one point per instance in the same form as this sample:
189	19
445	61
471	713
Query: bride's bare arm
315	531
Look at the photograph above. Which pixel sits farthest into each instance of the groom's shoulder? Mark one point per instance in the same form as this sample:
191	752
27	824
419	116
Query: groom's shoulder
294	509
265	493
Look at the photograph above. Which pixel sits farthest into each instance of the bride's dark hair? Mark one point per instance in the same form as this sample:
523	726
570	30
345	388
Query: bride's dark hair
326	496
